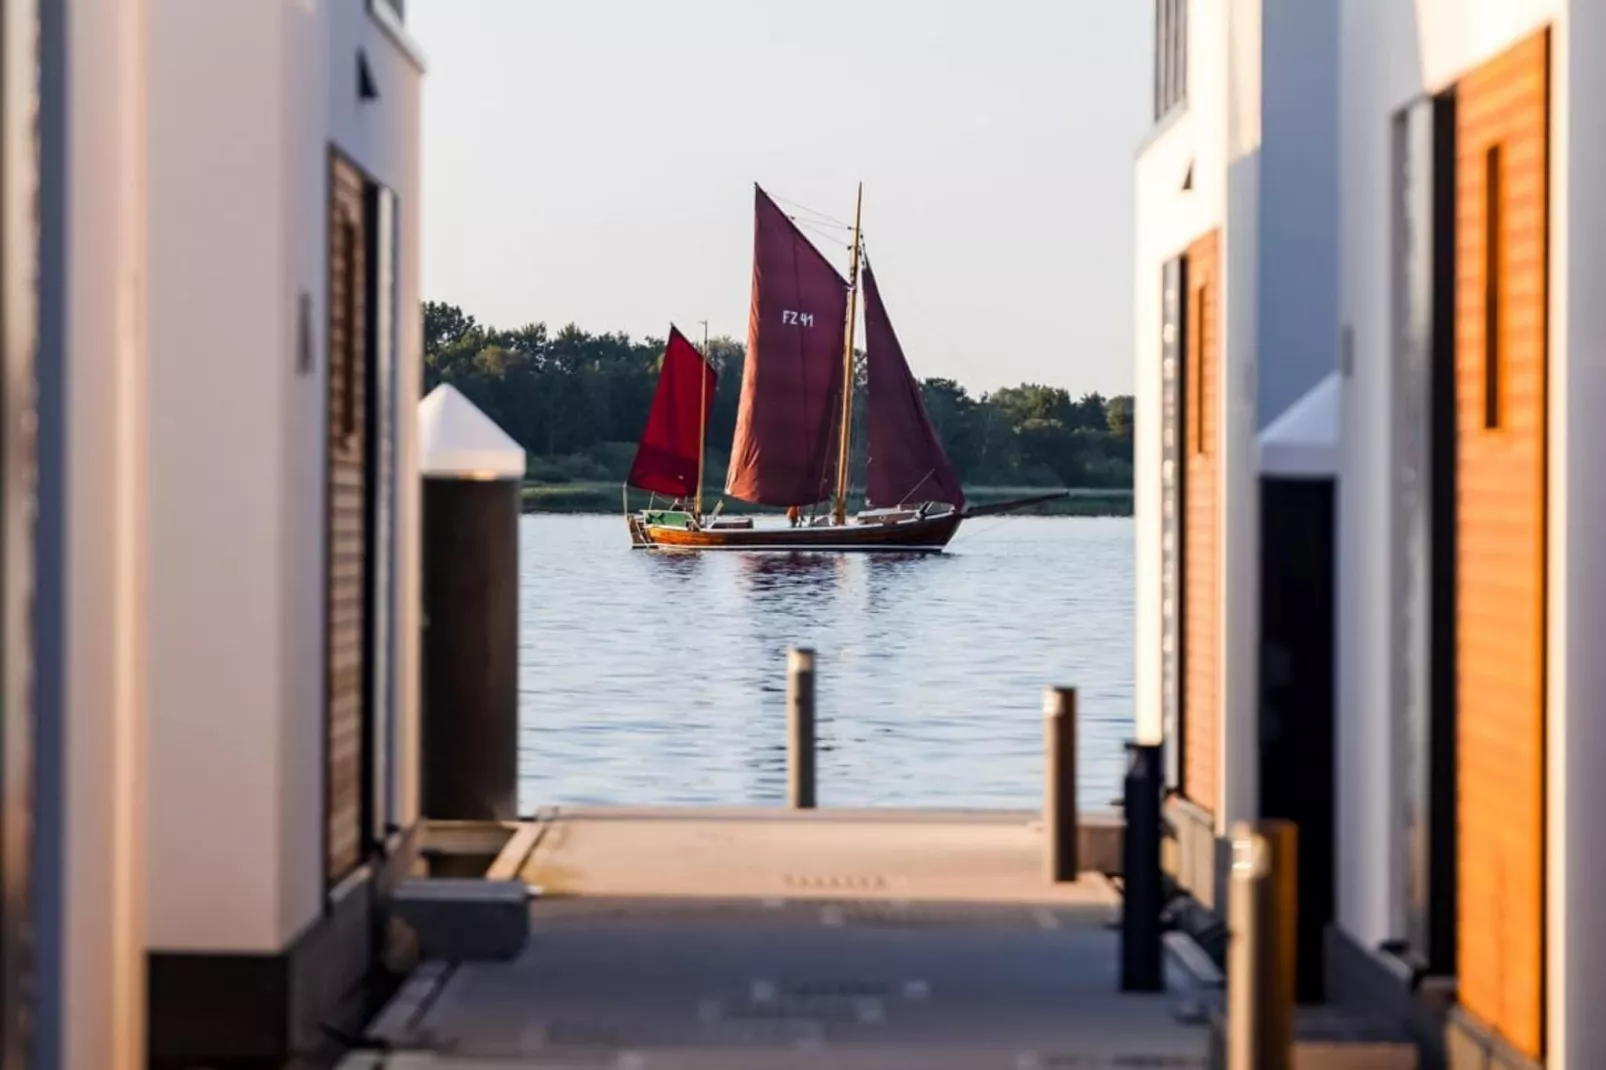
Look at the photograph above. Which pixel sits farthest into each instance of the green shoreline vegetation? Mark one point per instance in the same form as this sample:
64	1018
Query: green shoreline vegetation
593	498
576	402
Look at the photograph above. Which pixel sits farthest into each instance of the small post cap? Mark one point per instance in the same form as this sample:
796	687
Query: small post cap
1249	853
1059	702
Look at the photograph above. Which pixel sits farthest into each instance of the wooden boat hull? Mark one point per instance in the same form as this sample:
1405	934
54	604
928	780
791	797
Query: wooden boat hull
929	534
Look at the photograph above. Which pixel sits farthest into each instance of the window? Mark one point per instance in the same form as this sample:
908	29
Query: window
1170	55
1491	288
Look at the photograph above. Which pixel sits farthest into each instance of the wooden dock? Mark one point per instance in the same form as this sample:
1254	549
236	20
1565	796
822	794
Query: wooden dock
773	938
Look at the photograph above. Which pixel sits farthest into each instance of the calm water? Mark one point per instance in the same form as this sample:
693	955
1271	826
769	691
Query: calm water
661	678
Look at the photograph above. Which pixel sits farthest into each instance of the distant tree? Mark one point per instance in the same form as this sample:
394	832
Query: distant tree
578	401
444	325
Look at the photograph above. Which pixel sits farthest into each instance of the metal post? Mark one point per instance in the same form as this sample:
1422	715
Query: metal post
1142	963
1261	962
1059	783
800	728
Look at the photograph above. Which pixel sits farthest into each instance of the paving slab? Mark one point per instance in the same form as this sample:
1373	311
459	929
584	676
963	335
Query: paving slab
715	983
950	856
754	939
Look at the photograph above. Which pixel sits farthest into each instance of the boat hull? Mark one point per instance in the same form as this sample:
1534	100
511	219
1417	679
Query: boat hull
929	534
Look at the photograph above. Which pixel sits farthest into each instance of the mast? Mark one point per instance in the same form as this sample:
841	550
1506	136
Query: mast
702	426
841	506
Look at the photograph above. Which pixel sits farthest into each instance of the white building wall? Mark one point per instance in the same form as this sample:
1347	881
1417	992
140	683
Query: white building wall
1239	519
382	138
1576	941
409	506
248	105
1233	73
221	356
1169	218
95	1020
1298	263
1391	53
307	65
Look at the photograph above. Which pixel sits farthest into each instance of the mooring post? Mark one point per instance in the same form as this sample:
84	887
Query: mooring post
1261	964
800	728
1059	783
1142	964
469	709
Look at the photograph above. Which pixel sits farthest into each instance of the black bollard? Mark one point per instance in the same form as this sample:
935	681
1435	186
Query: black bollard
1142	968
470	711
471	646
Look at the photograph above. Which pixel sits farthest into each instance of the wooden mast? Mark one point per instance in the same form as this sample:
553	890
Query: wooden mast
702	426
840	510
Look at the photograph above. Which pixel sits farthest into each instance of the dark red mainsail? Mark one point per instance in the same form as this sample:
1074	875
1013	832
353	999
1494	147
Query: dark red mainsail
784	449
906	460
666	459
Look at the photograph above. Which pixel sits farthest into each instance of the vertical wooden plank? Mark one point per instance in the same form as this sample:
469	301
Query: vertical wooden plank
1201	558
1501	338
345	520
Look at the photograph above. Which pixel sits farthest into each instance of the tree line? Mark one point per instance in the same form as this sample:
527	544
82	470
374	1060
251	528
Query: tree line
577	402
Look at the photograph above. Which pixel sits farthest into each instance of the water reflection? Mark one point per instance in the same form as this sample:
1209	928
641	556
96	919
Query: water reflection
792	570
890	576
680	566
931	667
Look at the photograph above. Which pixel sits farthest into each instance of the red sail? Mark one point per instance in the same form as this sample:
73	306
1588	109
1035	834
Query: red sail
666	459
784	452
906	460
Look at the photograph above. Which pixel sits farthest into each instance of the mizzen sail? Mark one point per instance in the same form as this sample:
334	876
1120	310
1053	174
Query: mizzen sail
783	452
672	443
906	460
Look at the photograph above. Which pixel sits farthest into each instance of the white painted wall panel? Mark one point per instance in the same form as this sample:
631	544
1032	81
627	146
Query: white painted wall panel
1576	943
220	357
1240	467
96	1021
305	62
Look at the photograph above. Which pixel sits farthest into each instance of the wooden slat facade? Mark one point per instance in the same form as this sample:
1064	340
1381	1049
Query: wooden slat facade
1502	288
345	521
1201	569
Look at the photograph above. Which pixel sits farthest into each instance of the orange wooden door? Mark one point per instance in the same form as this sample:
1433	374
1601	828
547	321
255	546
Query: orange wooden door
1502	159
1201	569
346	519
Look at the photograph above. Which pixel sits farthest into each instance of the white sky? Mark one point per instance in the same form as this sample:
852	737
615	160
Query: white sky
592	161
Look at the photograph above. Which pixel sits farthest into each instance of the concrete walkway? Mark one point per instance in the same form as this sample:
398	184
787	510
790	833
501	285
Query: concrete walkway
749	940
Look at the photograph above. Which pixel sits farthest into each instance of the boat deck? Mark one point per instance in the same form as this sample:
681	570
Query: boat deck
762	938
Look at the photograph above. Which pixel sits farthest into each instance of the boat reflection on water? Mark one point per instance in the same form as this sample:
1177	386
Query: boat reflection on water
679	566
788	571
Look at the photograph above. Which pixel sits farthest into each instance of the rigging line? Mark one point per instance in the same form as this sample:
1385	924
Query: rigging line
832	227
832	238
812	211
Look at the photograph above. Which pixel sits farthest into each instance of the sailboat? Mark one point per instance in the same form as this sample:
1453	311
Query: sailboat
793	426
